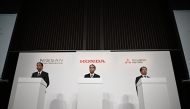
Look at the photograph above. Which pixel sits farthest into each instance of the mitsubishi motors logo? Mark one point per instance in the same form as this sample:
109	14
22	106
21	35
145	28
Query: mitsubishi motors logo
135	61
92	61
127	61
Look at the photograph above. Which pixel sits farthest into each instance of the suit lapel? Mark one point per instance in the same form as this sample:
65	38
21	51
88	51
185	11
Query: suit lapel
36	74
88	75
142	76
42	74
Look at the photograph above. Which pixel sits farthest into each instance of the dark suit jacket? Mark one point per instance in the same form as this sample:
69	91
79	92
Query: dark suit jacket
136	81
43	75
95	76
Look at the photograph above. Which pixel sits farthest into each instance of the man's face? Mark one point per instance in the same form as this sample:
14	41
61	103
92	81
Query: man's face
92	69
39	67
144	71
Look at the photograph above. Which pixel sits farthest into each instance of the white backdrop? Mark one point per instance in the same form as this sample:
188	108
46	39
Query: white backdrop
118	76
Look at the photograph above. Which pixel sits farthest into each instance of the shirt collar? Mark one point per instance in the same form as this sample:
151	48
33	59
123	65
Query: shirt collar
144	75
92	74
40	72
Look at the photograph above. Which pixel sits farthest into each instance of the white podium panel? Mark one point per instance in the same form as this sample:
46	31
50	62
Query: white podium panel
90	93
30	93
153	93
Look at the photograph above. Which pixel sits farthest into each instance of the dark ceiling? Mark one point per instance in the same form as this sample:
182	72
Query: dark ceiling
13	6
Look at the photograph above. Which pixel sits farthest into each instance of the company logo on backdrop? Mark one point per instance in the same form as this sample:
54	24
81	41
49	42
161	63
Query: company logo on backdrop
135	61
128	61
51	61
93	61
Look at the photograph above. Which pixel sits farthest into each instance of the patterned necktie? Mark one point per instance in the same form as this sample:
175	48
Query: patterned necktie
91	76
145	76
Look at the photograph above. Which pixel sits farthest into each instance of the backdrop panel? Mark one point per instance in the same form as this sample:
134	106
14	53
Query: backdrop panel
183	24
117	69
7	22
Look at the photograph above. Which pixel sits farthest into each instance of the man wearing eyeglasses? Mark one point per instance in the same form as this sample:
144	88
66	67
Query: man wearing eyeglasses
92	68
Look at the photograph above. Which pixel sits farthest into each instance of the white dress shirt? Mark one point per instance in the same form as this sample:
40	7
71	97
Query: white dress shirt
39	72
91	75
144	76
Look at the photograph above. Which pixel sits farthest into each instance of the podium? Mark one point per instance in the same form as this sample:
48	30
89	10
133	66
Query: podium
30	93
90	93
153	93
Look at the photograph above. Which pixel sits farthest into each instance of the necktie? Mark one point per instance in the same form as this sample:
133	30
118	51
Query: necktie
38	74
91	76
145	76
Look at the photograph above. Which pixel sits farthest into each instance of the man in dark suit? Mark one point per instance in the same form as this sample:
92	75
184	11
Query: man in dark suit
92	68
143	71
40	73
